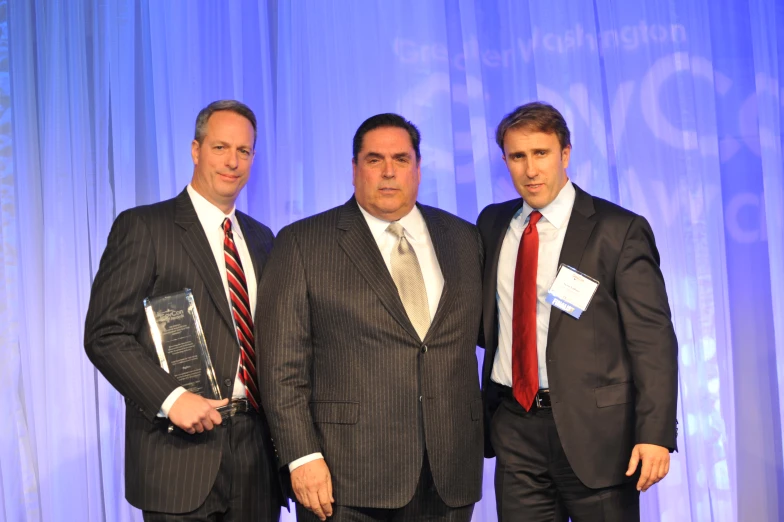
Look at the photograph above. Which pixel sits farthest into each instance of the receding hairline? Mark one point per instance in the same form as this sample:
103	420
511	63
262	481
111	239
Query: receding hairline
207	125
235	106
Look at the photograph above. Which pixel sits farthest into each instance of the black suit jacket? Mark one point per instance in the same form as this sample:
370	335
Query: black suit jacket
155	250
613	373
345	373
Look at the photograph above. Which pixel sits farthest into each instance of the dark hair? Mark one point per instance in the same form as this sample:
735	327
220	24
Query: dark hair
536	116
387	120
223	105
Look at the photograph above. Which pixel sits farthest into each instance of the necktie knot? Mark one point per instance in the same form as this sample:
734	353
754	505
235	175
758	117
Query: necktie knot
397	229
534	218
227	226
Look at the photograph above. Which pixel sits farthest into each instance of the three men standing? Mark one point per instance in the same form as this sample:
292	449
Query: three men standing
573	404
367	360
365	341
208	469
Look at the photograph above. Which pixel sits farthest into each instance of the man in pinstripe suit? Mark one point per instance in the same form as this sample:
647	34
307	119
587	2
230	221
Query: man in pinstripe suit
208	469
367	354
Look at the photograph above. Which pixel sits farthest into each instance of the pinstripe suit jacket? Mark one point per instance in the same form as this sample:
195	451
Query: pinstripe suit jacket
344	372
154	250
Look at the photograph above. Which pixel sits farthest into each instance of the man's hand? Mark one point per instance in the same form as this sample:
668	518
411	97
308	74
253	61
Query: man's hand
655	464
312	485
193	413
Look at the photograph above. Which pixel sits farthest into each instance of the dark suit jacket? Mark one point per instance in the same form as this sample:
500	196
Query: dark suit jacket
613	373
344	372
154	250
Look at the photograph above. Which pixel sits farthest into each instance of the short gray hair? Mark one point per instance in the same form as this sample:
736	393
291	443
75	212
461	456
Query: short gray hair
223	105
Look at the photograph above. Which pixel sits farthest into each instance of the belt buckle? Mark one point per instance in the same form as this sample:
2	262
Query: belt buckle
539	399
234	407
238	406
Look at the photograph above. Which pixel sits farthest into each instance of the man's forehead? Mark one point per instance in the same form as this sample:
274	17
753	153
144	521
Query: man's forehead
532	136
223	129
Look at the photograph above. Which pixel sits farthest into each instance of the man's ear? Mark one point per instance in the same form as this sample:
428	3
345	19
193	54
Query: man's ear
195	147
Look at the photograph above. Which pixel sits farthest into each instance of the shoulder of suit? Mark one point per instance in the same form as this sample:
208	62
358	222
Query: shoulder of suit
313	224
249	220
494	208
605	208
152	211
449	219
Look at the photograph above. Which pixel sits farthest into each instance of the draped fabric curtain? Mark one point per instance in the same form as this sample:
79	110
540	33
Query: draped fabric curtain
676	113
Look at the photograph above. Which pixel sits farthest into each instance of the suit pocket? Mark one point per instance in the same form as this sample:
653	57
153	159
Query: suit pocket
614	394
476	409
335	412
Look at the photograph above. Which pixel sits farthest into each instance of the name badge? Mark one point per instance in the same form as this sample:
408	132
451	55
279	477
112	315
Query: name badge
571	291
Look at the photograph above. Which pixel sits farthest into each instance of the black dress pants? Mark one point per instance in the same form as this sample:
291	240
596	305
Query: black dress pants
534	481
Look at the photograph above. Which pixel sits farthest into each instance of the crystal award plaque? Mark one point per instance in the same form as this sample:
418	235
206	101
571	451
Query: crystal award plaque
180	344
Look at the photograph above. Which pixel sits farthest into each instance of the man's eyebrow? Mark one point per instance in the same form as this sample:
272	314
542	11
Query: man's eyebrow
221	142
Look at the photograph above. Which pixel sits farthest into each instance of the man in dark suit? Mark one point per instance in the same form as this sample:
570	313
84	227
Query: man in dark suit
574	405
208	468
367	359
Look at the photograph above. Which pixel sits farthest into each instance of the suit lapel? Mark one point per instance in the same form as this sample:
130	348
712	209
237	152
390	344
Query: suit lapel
194	242
446	261
362	249
578	232
500	226
258	255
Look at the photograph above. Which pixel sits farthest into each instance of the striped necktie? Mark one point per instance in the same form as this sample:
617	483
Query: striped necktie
243	320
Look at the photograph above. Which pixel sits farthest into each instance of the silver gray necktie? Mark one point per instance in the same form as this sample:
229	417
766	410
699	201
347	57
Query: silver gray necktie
409	281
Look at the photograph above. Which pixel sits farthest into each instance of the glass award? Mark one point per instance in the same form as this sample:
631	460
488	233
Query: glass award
180	344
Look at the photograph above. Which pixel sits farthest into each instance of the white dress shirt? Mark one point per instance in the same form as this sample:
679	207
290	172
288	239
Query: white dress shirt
211	219
416	232
552	230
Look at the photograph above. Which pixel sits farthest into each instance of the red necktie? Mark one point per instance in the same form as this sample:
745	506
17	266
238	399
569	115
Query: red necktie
525	366
240	308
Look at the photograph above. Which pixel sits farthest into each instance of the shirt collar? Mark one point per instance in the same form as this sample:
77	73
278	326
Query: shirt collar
558	211
210	216
413	223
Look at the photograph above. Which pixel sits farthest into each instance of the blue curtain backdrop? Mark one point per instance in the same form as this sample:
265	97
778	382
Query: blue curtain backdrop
676	112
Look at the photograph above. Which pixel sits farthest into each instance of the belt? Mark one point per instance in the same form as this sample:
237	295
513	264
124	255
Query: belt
541	400
234	407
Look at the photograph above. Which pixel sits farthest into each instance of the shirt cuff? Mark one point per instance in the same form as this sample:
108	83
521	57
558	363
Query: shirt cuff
169	402
304	460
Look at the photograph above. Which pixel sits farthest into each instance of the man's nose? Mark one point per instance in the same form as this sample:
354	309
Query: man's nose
231	159
529	168
388	171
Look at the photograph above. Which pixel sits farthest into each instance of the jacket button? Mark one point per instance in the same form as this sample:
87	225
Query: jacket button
228	383
424	348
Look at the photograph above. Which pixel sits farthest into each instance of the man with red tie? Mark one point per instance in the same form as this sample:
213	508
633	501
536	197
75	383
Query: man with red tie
209	468
580	369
